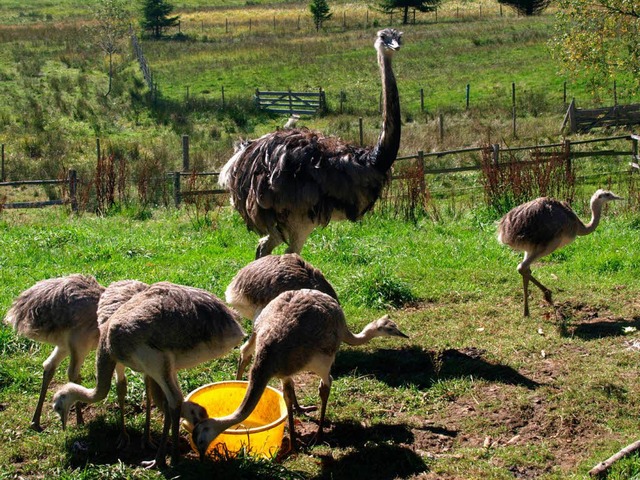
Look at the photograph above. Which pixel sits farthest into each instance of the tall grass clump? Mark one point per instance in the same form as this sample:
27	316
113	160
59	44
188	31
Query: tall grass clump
380	289
518	180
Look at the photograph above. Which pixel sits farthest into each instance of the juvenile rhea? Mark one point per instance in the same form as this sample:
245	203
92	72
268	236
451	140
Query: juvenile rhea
299	330
157	332
262	280
114	296
62	312
543	225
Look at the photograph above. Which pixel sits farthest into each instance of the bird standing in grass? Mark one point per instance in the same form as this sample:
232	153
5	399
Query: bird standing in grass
543	225
262	280
159	331
299	330
287	183
62	312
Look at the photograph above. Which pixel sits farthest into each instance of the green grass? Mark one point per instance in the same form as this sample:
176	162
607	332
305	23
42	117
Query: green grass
472	369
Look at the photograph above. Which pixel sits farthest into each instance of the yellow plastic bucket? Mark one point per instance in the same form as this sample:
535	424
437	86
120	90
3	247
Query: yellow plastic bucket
259	434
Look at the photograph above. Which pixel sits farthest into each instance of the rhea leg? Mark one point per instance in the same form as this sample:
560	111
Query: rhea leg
324	390
289	396
146	435
168	381
525	270
121	389
298	234
267	243
50	365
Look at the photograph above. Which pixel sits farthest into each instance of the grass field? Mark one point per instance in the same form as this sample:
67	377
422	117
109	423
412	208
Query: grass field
477	391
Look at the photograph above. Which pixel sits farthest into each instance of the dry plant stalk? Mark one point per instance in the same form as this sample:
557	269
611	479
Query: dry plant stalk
510	183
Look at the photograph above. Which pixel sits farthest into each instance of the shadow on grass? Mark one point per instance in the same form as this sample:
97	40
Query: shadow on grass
419	367
96	446
382	462
601	328
374	452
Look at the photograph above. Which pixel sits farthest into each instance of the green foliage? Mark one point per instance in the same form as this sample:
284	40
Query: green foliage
320	11
156	17
389	6
598	40
379	289
527	7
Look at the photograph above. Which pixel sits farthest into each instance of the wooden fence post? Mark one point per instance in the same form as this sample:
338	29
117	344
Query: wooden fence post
176	189
441	126
98	148
2	176
422	99
567	155
73	187
495	154
361	132
222	88
185	153
468	94
572	116
423	185
513	113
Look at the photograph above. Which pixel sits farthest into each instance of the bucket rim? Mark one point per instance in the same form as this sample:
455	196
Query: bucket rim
245	383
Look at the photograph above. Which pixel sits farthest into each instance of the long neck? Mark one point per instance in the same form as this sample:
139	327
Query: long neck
596	213
257	384
361	338
105	367
386	150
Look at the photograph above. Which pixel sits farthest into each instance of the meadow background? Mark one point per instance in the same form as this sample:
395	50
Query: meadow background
477	391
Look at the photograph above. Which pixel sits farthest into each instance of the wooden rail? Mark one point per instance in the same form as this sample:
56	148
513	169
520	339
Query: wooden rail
583	119
71	181
300	103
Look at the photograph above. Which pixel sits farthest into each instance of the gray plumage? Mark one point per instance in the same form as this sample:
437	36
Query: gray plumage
114	296
543	225
299	330
62	312
158	331
262	280
287	183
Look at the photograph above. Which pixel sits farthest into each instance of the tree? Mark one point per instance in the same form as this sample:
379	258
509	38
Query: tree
527	7
109	29
320	11
599	38
156	16
389	6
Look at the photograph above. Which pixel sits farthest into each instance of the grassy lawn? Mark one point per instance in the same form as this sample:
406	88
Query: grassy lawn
478	391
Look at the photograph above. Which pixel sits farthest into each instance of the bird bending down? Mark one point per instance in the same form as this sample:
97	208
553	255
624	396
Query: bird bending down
299	330
62	312
287	183
158	331
543	225
262	280
116	295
